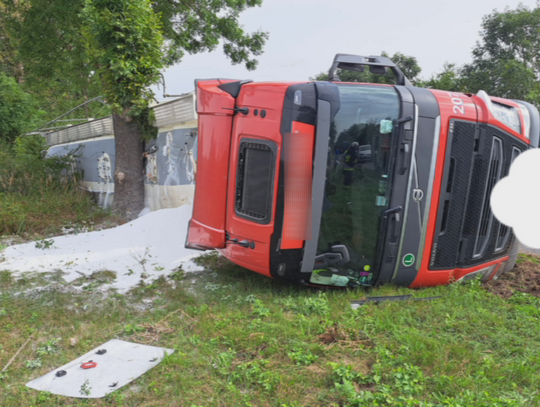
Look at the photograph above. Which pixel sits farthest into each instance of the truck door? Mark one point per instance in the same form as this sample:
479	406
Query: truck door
253	175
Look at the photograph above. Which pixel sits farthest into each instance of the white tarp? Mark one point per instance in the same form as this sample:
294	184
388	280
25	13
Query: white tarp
120	364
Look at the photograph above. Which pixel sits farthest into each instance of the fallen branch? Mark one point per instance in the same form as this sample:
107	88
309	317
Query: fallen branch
19	351
174	312
91	277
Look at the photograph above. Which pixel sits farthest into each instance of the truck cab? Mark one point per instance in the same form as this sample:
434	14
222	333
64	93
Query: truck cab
347	184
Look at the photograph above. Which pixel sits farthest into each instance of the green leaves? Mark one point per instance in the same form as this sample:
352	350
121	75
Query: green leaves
124	41
68	51
200	26
129	41
15	107
506	60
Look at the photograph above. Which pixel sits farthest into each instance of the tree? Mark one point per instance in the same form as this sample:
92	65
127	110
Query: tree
43	48
449	79
199	26
124	43
8	46
16	107
67	51
128	41
408	65
506	61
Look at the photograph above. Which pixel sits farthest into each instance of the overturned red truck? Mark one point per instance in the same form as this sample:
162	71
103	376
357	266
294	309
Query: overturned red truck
348	184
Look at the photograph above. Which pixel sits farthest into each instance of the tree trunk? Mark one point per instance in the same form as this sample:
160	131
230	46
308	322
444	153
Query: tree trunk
128	176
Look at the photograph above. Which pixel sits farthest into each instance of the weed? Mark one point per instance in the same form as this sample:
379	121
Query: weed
223	362
213	287
133	329
255	373
91	286
195	340
75	228
341	373
408	380
250	299
178	274
44	244
142	259
38	195
33	364
260	310
520	298
6	278
301	356
85	390
200	310
255	324
523	258
308	305
49	347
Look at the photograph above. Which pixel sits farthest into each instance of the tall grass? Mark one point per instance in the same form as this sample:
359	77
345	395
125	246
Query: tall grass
39	194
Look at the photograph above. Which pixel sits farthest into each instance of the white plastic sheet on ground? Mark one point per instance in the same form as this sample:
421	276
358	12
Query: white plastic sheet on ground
120	364
151	245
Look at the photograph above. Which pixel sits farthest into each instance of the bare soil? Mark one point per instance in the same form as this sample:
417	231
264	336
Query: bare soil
525	277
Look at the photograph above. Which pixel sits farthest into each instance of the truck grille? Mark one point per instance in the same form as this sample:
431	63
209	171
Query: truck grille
486	217
467	232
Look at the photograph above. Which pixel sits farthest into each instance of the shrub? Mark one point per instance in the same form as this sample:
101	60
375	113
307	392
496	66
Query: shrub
40	194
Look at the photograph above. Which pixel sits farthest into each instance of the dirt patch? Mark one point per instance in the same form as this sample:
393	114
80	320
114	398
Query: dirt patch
151	333
335	335
358	364
316	369
525	277
12	240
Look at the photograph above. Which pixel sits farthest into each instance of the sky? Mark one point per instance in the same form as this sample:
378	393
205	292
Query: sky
304	36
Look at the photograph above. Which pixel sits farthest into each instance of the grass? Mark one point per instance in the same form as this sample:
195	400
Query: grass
40	196
241	339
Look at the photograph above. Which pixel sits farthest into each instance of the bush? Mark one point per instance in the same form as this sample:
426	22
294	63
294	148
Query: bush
39	195
16	107
30	146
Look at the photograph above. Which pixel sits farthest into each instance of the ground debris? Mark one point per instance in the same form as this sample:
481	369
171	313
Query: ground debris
525	277
50	288
336	335
332	335
152	332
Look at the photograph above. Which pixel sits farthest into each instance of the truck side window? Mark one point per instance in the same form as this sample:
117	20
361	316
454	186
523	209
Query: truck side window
255	179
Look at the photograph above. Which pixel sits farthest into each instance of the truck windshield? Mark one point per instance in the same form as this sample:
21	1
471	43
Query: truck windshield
357	189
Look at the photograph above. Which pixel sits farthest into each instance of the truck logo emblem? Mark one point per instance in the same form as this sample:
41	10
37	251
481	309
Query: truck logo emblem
408	260
417	195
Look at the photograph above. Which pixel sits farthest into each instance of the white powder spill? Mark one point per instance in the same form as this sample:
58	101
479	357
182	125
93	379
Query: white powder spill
152	245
